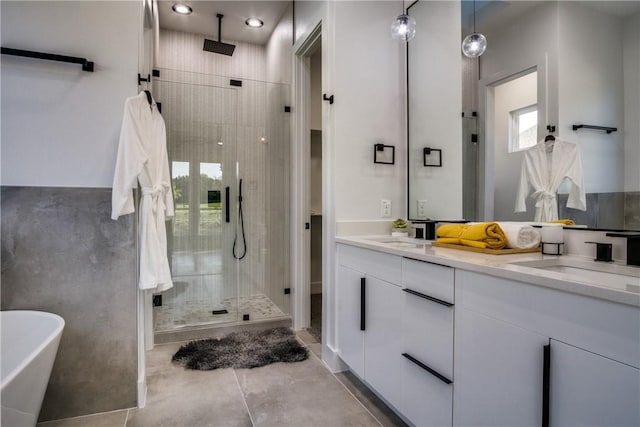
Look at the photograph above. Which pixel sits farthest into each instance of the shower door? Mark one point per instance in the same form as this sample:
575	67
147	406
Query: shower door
217	138
201	141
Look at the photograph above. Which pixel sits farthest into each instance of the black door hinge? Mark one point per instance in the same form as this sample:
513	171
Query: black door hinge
307	226
155	73
157	300
474	137
287	291
235	83
287	109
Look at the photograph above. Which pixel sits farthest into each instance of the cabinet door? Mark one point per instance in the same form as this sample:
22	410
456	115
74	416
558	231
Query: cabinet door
350	337
590	390
382	340
498	373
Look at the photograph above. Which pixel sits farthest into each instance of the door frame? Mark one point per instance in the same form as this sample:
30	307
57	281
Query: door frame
300	182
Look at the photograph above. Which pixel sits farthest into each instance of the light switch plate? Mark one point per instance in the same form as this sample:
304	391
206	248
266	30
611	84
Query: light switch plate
385	209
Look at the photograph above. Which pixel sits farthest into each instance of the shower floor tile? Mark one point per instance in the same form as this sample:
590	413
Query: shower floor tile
171	316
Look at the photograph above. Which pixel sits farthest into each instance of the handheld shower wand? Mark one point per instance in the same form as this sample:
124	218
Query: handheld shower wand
241	219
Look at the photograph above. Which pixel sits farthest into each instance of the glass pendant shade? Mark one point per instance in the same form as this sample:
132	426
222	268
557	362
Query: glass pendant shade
403	28
474	45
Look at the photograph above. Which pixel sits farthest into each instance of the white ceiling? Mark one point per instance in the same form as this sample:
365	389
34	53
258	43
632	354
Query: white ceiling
203	19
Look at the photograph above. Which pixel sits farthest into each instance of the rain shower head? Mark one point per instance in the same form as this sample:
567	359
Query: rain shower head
217	46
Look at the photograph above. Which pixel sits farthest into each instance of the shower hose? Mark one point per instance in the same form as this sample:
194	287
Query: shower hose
241	218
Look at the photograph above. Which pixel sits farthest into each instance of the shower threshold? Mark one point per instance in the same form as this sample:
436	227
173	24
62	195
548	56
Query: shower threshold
215	330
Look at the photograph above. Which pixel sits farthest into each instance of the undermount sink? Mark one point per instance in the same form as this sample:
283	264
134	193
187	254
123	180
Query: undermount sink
600	273
400	242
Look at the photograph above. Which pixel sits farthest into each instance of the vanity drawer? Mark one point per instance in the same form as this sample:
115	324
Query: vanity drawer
428	333
432	280
377	264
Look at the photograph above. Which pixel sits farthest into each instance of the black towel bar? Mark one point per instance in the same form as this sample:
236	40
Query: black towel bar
86	65
604	128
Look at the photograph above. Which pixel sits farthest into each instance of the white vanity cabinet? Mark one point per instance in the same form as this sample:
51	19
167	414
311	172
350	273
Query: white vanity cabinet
589	375
427	343
369	318
350	335
499	372
587	389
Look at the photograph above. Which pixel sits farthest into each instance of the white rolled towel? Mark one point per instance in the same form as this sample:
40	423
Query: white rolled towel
520	235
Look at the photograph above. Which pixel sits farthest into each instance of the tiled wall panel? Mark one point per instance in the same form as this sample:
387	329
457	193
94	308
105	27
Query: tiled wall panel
62	253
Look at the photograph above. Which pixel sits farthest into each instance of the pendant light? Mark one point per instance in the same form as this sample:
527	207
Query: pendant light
403	27
474	44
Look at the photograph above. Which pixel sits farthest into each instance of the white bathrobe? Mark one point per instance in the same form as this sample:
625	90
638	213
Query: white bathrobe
142	157
544	167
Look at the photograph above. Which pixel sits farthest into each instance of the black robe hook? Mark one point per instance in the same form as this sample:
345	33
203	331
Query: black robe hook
149	98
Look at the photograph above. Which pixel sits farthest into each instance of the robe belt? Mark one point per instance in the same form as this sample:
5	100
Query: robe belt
544	197
155	193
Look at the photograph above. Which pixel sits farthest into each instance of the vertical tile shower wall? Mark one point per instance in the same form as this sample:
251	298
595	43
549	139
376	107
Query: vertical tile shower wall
224	133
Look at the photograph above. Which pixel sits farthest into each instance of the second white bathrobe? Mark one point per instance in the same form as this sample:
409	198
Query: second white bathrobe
142	157
544	167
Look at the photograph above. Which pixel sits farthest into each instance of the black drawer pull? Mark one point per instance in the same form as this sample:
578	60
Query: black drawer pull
418	294
363	306
428	369
426	262
546	389
227	208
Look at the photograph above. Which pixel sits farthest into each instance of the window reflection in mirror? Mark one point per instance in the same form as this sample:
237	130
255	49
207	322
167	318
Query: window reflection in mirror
524	128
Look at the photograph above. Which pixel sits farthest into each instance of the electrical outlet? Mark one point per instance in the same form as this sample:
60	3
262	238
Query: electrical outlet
422	208
385	209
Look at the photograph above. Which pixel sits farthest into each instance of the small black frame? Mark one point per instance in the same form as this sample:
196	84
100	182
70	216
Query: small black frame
379	148
426	152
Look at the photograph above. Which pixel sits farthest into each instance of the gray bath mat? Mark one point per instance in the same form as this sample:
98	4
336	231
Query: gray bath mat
247	349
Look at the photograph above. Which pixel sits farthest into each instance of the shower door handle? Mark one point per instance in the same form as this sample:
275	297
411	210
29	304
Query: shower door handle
227	208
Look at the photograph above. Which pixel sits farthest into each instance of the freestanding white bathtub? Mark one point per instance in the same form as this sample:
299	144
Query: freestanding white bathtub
29	345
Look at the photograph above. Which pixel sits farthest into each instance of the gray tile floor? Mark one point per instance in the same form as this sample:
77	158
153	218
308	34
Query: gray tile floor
303	394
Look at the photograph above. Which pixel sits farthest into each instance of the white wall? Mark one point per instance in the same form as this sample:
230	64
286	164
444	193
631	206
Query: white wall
591	91
369	108
60	125
307	14
632	103
435	103
279	50
509	96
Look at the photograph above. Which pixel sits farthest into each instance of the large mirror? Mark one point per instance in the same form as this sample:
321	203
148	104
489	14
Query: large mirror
548	64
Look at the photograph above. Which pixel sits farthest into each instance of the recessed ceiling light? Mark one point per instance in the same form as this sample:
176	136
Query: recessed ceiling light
254	23
182	9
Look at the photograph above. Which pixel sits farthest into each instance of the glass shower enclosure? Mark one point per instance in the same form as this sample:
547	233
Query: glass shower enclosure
228	243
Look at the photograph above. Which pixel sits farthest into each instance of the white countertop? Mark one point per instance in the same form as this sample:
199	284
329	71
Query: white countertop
500	266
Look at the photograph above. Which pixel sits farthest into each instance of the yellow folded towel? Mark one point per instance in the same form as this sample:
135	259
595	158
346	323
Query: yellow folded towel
482	235
563	221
